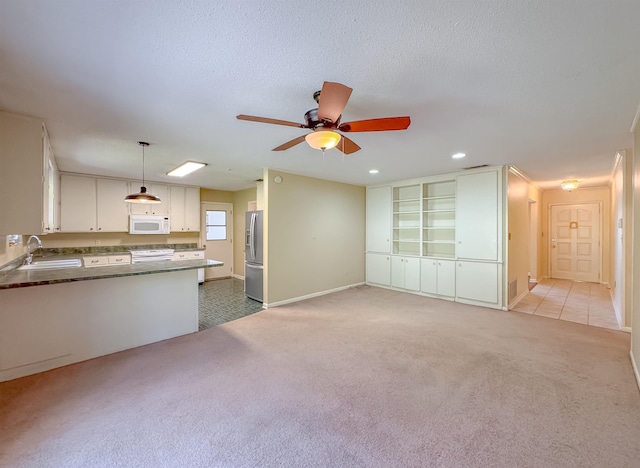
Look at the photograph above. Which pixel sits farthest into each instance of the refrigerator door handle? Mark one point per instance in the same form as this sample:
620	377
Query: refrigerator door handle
252	236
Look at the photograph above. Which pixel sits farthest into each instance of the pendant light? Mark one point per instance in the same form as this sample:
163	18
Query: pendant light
143	196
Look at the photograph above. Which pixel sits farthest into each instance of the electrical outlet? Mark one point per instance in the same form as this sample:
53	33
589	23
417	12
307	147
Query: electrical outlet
98	242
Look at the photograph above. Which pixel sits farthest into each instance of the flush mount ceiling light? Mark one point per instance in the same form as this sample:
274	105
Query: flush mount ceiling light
185	168
569	185
458	156
142	196
323	139
374	171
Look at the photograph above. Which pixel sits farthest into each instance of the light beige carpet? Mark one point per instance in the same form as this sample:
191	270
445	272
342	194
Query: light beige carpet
365	377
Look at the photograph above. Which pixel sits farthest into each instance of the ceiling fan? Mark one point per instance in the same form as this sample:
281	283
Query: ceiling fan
325	122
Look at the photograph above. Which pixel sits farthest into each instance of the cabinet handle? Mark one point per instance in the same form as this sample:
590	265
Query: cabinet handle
90	229
99	229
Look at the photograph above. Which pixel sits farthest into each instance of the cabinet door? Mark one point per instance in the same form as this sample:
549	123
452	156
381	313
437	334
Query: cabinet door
412	274
429	276
192	209
477	216
379	219
77	204
159	190
477	281
177	208
378	269
112	210
397	272
446	278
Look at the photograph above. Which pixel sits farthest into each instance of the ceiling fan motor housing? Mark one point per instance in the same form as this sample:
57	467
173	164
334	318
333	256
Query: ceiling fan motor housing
311	118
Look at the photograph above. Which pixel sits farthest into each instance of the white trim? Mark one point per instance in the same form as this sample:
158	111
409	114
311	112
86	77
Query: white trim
238	277
625	329
310	296
635	369
635	120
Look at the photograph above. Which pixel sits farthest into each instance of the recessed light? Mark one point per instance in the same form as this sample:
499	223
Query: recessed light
458	155
185	168
374	171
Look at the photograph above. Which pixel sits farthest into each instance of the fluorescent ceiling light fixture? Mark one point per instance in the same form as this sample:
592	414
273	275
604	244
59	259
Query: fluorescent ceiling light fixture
458	156
374	171
185	168
569	185
323	139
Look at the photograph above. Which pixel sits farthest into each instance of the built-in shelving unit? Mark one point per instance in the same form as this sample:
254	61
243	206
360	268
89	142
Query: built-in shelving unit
439	219
406	220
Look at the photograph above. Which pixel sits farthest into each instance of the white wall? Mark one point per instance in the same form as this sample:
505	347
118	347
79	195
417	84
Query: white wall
314	236
635	299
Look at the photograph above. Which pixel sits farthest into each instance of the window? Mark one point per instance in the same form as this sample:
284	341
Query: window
216	224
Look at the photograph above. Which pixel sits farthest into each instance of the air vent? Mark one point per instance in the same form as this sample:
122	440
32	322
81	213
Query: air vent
476	167
513	289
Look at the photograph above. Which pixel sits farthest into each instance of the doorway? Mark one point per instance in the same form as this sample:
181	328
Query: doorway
216	237
575	244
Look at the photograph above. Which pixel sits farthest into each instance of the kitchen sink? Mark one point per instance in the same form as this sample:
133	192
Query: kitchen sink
52	264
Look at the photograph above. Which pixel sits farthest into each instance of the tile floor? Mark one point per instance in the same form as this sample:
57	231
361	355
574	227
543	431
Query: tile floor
588	303
220	301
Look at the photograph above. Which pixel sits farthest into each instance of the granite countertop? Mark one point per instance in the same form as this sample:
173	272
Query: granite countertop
15	278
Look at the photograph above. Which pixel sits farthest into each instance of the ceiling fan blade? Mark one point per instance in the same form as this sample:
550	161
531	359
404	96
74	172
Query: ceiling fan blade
289	144
333	98
376	125
253	118
347	146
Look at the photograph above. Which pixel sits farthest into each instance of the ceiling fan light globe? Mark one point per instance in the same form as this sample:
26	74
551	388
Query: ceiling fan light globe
323	139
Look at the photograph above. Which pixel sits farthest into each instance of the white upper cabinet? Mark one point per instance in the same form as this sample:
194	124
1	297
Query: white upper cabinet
159	190
112	210
379	219
78	203
477	216
185	209
28	192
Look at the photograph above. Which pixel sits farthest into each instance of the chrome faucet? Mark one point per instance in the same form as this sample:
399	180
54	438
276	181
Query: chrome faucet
38	243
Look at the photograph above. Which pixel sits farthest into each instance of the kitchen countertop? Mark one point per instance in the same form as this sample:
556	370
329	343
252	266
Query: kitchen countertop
24	278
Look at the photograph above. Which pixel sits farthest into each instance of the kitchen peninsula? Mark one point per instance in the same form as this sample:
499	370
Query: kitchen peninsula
52	318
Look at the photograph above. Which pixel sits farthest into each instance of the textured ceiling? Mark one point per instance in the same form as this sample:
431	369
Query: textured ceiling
549	86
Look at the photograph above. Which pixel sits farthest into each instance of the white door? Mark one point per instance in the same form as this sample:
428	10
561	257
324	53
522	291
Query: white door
216	238
378	269
378	219
575	242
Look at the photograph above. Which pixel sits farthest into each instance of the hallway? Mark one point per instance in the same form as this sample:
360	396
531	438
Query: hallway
581	302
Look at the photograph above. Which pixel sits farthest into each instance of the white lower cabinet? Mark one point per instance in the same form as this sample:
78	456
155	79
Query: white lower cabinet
405	273
438	277
379	269
478	282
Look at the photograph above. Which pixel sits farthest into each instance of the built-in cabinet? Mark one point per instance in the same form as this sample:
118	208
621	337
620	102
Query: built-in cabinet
378	219
29	181
185	208
438	277
446	236
95	204
405	273
378	269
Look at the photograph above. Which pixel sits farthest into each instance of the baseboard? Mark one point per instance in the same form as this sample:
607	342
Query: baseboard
625	329
616	309
518	299
635	369
238	277
310	296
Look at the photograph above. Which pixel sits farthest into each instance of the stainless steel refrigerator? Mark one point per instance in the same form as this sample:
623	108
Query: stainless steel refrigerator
253	267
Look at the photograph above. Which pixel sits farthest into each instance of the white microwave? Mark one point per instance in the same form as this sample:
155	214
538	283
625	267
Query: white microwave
149	224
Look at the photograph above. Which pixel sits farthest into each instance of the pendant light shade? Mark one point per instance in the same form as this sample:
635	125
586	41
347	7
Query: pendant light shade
142	196
323	139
